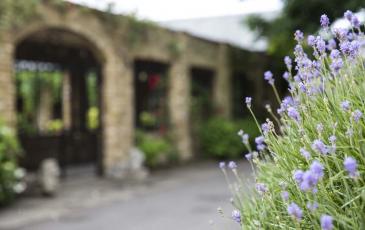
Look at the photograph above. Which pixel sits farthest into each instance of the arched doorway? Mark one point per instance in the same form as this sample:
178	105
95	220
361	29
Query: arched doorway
58	74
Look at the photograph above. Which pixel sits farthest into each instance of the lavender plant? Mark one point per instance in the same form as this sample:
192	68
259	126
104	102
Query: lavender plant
310	166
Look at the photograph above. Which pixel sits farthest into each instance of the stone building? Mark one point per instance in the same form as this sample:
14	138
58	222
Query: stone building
115	47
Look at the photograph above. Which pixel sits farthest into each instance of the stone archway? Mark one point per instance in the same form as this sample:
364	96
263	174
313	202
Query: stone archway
117	97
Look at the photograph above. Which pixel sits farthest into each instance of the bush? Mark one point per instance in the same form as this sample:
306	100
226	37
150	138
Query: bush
157	149
218	137
10	174
311	175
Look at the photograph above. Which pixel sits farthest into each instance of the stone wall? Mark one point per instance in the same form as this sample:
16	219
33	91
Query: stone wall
113	48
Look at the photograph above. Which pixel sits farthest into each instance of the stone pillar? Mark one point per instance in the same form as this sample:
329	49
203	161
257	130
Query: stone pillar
117	116
7	82
179	101
222	84
66	100
44	113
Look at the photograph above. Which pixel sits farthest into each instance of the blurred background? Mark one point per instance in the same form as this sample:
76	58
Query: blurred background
114	114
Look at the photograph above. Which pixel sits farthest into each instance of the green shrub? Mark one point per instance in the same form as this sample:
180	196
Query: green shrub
311	175
9	171
157	149
218	137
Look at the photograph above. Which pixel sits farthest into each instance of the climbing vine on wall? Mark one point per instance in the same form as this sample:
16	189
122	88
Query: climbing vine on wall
13	13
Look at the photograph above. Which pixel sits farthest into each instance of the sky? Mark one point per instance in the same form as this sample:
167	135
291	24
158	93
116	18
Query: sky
165	10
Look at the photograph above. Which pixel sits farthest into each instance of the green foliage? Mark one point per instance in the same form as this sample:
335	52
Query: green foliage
218	137
93	118
148	120
55	126
299	14
9	152
14	13
29	87
158	150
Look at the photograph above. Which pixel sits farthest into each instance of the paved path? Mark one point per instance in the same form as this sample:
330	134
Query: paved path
180	199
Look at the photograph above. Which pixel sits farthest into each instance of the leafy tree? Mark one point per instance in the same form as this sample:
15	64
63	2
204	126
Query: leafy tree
303	14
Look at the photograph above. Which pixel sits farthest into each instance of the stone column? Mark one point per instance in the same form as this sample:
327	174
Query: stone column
7	82
117	116
44	113
222	84
66	101
179	101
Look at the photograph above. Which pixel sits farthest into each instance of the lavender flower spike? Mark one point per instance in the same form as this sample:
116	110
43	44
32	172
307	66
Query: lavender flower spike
326	222
295	211
320	147
222	165
236	216
293	113
269	77
232	165
356	115
350	165
345	105
325	21
348	15
248	101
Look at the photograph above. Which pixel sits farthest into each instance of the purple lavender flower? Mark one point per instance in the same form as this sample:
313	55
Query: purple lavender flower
259	140
325	21
332	139
285	195
345	105
336	65
236	216
232	165
320	44
298	176
350	165
245	138
305	153
249	156
302	87
331	44
309	181
298	35
293	113
355	22
350	49
248	101
326	222
269	77
288	62
222	165
312	206
295	211
265	128
259	143
356	115
286	75
261	147
261	188
348	15
335	54
311	40
319	146
341	33
317	169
